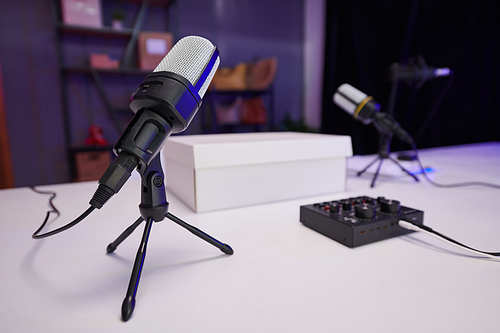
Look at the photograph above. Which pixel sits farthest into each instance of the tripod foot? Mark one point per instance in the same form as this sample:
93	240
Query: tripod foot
226	249
128	306
368	166
197	232
110	248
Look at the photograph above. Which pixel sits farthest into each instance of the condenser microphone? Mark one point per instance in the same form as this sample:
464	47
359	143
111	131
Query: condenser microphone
412	72
364	108
416	72
165	102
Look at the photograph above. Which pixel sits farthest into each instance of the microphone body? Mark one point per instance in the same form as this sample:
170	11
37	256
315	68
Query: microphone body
165	102
364	108
415	73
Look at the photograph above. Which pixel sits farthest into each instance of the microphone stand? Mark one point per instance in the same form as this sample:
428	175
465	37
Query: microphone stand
384	152
153	208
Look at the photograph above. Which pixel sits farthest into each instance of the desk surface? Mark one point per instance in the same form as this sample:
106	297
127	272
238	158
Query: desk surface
283	277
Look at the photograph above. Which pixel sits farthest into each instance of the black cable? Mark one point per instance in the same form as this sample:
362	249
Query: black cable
434	108
412	225
64	227
110	183
52	197
430	115
414	146
36	234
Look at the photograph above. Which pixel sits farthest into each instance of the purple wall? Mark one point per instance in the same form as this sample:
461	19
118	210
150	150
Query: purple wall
241	29
32	94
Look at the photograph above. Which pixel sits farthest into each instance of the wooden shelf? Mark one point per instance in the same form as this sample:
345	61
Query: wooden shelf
112	71
213	95
153	2
96	32
240	92
85	148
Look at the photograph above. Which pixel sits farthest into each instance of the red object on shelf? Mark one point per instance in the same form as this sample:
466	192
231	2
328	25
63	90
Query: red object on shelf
96	137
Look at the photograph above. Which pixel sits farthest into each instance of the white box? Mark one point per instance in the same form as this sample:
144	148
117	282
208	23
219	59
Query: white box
218	171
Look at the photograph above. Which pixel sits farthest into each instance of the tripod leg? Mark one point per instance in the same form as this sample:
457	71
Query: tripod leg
197	232
375	176
405	170
369	165
129	301
112	246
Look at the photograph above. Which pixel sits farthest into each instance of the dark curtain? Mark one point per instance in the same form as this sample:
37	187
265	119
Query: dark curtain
363	38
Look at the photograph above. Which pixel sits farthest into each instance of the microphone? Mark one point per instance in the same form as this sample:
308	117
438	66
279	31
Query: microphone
165	102
364	108
416	72
412	72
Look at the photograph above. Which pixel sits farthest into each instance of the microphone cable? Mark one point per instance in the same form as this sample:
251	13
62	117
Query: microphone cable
80	218
37	235
414	226
435	106
52	197
474	183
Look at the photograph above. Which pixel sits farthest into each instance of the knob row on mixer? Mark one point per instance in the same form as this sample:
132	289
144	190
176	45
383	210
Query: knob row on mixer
363	207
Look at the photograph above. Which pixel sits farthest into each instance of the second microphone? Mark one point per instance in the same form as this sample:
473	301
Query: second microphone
364	108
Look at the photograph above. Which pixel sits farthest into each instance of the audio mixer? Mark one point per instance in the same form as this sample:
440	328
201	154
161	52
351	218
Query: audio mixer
360	220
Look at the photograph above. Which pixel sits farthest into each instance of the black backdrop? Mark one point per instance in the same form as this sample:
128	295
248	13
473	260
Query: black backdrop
363	38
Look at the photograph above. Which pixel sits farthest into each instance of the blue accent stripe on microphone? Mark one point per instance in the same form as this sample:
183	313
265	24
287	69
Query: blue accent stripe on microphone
208	68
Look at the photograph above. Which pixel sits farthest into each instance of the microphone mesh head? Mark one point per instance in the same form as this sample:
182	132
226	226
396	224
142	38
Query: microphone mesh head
188	58
348	98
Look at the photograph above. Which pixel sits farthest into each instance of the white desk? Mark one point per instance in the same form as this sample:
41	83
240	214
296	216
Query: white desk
283	276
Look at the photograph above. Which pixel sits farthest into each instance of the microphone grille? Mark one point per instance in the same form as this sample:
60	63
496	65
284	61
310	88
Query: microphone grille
189	58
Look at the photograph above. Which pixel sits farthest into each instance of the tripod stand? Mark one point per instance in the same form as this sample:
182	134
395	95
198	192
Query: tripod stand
153	208
384	152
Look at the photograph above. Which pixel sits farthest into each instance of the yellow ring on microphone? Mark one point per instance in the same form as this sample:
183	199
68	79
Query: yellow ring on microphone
361	105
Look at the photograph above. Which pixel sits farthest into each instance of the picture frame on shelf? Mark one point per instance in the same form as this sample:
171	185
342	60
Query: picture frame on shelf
153	46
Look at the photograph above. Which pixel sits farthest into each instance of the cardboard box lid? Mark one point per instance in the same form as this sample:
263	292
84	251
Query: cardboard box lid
222	150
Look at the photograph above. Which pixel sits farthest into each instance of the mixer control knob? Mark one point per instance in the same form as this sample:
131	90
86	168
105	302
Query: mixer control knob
346	205
355	201
365	211
370	201
390	206
334	208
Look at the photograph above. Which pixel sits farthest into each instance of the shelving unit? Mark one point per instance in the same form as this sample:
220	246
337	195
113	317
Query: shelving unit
108	89
212	97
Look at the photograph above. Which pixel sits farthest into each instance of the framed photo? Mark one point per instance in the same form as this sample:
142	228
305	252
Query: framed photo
153	46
